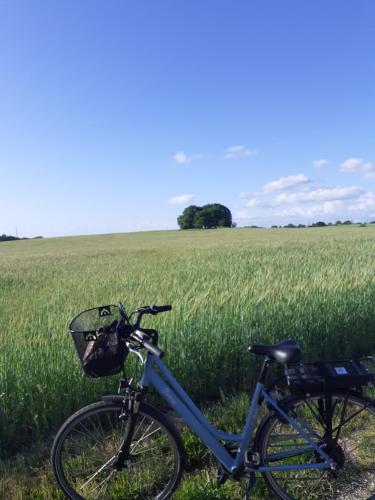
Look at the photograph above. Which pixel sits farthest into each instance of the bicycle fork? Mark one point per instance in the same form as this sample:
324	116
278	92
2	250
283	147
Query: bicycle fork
131	404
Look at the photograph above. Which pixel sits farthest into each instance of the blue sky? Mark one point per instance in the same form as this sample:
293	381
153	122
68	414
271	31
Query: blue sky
115	115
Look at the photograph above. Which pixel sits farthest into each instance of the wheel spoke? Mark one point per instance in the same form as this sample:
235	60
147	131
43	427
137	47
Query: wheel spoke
98	471
143	438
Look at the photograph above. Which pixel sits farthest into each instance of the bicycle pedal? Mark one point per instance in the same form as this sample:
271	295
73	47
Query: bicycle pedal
252	459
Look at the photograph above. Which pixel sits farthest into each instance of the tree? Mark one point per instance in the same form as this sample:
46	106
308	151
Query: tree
187	218
5	237
208	216
319	224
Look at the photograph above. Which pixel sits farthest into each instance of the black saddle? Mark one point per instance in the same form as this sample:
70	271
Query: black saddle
287	351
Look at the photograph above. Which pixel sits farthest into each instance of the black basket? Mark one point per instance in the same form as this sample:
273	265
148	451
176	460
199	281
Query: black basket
320	376
99	346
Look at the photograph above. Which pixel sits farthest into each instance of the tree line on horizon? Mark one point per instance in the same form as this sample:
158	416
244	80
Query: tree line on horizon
314	224
322	224
6	237
215	215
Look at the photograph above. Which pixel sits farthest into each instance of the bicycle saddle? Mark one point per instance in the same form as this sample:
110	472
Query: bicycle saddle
287	351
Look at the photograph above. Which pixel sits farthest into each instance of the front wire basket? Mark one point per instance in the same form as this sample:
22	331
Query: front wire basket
87	327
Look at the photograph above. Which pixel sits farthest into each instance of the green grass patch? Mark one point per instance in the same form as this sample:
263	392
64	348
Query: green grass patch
228	288
29	475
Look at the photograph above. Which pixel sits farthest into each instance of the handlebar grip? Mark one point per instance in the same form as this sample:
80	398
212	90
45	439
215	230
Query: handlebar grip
160	309
152	349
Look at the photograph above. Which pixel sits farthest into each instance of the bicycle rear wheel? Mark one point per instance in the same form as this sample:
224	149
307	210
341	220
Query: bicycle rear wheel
86	447
354	451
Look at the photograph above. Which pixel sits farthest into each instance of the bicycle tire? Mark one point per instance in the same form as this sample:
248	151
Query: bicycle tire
354	452
92	435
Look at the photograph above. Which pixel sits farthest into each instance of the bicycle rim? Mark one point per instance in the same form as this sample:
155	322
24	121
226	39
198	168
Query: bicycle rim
86	447
354	452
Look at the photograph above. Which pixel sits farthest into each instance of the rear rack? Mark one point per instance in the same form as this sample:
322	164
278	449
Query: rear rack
328	376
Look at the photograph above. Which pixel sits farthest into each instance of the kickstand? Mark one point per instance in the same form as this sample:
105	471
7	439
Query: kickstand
250	486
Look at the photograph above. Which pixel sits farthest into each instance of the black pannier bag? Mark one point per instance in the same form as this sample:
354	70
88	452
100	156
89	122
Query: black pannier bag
99	346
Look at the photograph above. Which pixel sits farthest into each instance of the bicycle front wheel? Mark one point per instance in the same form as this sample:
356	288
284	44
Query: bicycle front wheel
352	447
86	447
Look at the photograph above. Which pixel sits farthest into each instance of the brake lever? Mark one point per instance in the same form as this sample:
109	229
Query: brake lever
135	350
152	310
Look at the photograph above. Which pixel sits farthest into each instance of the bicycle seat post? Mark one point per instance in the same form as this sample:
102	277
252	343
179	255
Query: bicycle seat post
263	371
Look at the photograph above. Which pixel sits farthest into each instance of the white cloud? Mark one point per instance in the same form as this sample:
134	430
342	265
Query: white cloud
364	202
320	194
238	152
358	166
320	163
253	202
182	199
332	207
293	199
182	157
285	183
245	194
320	210
243	215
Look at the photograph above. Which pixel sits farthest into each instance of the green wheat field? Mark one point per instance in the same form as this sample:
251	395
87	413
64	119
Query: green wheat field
228	288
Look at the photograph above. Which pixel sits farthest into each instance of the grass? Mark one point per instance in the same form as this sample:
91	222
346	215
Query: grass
28	476
228	288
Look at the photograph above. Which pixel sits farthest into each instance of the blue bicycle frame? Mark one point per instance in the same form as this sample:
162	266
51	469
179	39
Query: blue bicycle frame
158	375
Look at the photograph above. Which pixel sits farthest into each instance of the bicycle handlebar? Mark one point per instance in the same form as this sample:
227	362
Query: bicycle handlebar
152	349
159	309
135	333
139	336
153	309
149	310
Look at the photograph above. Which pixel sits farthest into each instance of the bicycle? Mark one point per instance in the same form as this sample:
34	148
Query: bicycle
317	442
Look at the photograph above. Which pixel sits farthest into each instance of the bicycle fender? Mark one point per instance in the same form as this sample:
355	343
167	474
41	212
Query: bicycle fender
113	397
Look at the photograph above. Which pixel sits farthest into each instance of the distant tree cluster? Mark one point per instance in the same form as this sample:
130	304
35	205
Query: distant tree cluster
206	217
323	224
5	237
317	224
